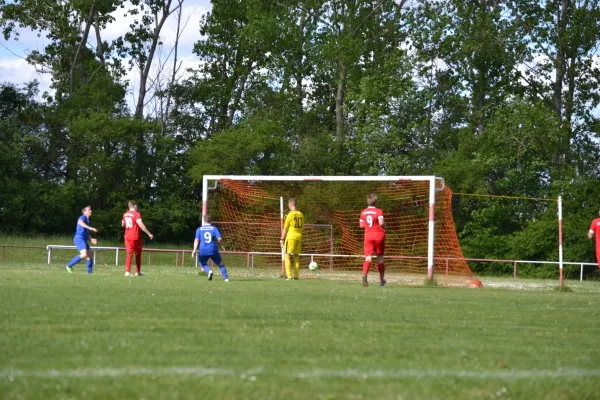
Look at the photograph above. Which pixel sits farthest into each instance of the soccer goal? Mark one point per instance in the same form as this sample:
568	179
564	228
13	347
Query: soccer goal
421	239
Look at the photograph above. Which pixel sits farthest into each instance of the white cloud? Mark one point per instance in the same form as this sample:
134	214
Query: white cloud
192	13
18	72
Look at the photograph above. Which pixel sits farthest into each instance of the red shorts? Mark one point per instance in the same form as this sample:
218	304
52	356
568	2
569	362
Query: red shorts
374	246
133	246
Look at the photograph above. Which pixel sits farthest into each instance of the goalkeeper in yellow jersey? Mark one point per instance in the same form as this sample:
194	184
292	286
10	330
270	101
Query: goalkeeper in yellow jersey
291	239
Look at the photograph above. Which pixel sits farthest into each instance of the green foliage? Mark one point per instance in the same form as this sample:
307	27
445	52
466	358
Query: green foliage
255	147
499	98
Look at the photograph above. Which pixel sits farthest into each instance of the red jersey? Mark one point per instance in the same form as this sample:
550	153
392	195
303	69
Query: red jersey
132	229
595	227
369	219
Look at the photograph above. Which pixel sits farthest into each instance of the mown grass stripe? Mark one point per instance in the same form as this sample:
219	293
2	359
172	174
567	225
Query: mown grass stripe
317	373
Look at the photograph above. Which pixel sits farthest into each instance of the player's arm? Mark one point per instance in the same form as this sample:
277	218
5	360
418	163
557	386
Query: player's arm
381	221
591	234
86	226
196	243
143	227
219	238
361	222
284	231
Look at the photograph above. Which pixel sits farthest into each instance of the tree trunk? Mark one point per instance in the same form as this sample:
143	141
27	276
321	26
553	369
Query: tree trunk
145	68
479	102
571	90
237	98
99	47
299	65
82	43
560	58
165	113
339	104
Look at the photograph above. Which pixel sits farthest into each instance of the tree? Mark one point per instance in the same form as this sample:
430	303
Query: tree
67	26
140	43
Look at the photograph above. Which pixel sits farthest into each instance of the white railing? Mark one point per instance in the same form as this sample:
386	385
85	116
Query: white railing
251	254
148	251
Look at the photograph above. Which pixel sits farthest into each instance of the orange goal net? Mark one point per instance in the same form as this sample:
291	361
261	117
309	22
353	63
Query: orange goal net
249	215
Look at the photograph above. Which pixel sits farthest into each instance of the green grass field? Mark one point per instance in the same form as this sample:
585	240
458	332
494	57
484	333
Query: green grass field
174	335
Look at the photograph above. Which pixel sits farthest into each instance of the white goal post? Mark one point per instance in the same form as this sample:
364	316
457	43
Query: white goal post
256	178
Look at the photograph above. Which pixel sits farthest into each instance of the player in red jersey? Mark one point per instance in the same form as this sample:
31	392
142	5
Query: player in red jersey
371	218
595	230
132	222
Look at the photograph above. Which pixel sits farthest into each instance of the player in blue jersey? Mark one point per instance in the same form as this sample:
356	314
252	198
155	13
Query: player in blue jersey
207	236
81	241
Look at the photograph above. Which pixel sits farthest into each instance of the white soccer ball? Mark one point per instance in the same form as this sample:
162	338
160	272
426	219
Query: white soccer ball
313	266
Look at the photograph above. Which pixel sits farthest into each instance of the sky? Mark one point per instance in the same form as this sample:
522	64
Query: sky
15	69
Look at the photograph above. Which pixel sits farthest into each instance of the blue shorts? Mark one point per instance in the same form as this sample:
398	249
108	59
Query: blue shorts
81	244
203	259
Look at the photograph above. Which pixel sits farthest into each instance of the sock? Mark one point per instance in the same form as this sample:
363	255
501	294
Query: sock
74	261
206	269
128	262
296	266
138	262
90	264
381	268
288	267
223	271
366	266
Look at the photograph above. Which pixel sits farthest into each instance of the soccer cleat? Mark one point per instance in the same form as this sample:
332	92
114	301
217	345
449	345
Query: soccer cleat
139	274
288	279
128	274
296	279
210	274
226	280
70	269
382	283
365	282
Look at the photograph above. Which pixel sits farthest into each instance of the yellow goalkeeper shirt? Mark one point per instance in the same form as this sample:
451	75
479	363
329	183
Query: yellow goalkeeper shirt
294	225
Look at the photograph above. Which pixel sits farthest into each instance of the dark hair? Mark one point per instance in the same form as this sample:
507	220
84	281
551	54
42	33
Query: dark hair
85	208
372	199
207	218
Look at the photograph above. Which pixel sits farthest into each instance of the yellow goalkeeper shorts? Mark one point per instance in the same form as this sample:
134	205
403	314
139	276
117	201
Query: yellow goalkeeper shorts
292	246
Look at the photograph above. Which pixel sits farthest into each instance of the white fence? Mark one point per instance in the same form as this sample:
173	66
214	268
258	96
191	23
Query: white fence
250	257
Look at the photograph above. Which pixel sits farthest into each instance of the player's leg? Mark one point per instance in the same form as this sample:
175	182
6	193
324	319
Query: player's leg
366	266
381	269
82	247
129	250
288	266
90	260
380	250
138	257
219	261
296	266
203	260
294	248
286	258
598	255
369	250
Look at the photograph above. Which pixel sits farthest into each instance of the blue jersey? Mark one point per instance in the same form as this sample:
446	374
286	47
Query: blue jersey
81	232
208	235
